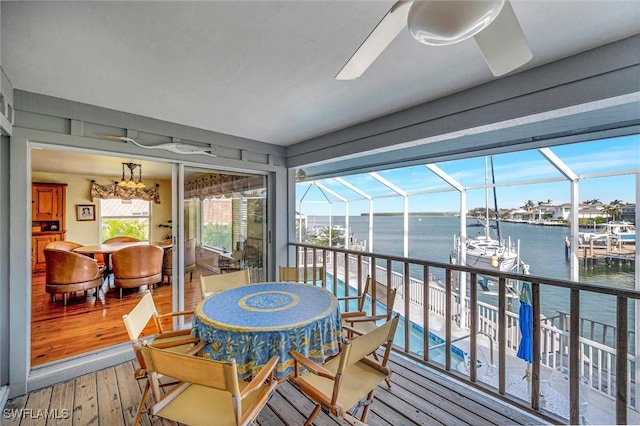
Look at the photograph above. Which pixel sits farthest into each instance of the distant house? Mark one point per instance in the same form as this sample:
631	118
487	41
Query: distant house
628	213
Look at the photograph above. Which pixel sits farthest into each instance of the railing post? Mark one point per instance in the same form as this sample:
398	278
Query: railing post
621	362
407	308
426	311
447	316
473	326
575	357
535	362
502	340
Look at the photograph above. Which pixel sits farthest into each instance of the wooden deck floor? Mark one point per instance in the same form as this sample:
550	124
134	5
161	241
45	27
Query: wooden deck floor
417	397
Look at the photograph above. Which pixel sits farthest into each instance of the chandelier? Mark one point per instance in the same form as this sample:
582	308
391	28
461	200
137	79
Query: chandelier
131	183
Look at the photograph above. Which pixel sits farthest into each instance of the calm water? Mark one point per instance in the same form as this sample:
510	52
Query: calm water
542	248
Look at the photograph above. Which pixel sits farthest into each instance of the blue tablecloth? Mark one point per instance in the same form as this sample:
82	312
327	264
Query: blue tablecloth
254	322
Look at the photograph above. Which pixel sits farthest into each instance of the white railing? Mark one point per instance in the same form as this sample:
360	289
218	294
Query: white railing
597	360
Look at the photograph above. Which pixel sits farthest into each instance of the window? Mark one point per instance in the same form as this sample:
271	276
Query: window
124	218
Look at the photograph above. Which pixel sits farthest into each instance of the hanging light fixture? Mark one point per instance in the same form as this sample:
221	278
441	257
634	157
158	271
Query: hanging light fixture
131	183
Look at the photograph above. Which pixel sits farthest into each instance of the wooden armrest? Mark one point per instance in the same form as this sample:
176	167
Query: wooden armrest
353	314
174	343
174	333
365	318
373	364
175	314
349	297
312	366
352	330
259	379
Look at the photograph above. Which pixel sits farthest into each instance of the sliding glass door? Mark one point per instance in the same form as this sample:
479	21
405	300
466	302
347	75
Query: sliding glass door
225	226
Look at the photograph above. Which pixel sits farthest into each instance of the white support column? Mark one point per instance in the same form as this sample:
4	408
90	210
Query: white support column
405	213
575	204
366	197
462	285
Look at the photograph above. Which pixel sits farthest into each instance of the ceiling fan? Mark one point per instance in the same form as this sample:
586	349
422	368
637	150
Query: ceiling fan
177	147
492	23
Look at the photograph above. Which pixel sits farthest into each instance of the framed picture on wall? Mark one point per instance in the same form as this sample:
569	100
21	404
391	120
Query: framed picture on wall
85	212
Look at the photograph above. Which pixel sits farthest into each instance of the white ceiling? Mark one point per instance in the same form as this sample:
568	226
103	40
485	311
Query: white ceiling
265	70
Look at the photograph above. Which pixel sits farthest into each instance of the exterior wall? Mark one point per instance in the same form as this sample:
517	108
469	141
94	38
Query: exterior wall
4	266
47	121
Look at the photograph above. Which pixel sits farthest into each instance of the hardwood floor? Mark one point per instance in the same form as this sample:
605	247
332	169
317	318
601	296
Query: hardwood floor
418	396
88	322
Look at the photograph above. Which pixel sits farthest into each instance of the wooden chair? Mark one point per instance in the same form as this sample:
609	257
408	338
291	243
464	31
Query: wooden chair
137	266
179	341
212	284
209	392
69	272
359	321
300	275
235	263
348	380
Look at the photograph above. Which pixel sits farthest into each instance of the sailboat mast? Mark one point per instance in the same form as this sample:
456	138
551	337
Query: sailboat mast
486	198
495	200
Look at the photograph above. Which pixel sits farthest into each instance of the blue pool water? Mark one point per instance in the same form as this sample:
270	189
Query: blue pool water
436	343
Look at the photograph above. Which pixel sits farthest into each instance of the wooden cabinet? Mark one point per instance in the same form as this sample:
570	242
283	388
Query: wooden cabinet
47	219
38	242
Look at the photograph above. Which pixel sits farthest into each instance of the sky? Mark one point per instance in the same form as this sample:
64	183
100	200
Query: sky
516	171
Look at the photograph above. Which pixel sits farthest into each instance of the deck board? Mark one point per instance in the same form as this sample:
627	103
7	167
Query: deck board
418	396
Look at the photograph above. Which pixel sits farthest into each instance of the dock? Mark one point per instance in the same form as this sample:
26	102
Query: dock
592	256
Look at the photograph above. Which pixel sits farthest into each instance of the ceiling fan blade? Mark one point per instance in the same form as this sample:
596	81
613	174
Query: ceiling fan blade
503	43
381	36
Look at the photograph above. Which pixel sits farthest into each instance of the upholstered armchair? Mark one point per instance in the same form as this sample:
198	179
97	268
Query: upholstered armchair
189	260
119	239
62	245
137	266
69	272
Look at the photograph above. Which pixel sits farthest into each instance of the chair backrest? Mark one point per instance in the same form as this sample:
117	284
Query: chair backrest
206	373
190	252
136	320
62	245
370	342
120	239
215	283
137	261
192	369
383	294
300	275
66	267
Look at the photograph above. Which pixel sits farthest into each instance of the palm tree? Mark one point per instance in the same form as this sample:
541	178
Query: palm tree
528	205
613	209
337	238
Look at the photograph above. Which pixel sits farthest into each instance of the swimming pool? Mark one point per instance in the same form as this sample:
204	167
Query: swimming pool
416	331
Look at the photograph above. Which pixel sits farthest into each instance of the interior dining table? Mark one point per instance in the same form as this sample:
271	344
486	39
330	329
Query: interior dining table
254	322
108	249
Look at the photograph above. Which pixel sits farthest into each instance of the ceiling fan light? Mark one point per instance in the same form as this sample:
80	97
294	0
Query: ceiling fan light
439	23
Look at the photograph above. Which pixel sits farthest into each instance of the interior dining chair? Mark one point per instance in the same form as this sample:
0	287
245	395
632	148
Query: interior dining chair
137	266
209	391
212	284
180	341
117	239
300	275
348	380
69	272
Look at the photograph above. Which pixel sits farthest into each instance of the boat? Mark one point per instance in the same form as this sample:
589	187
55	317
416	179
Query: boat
484	252
613	232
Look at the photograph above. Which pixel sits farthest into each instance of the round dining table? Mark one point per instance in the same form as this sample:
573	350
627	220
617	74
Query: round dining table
109	248
254	322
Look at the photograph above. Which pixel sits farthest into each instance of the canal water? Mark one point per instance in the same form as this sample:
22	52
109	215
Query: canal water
542	248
